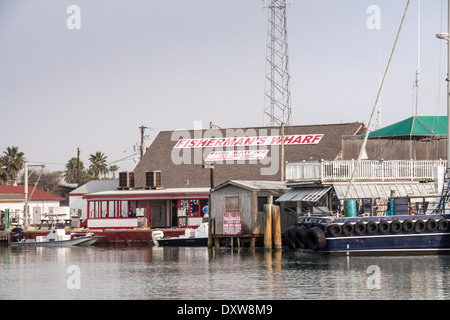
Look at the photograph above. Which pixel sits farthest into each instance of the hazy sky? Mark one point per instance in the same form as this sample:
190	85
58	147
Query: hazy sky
165	64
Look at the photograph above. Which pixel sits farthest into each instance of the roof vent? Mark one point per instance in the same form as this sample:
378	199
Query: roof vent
153	180
126	180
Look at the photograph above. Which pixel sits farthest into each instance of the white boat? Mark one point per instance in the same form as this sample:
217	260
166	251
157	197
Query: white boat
54	238
191	238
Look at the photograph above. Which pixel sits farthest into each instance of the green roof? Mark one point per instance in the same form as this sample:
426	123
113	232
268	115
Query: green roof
415	127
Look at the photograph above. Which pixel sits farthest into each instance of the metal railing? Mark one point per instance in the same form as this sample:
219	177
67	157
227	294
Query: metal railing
368	170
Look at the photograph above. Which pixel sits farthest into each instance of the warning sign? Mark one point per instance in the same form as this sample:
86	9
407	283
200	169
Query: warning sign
232	223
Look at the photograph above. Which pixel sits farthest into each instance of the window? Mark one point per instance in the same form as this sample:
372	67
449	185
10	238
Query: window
261	202
231	204
192	207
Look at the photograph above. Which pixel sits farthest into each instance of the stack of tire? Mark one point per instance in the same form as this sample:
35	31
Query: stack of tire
310	236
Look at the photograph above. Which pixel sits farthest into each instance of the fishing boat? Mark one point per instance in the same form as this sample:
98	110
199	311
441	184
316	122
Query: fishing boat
405	231
191	238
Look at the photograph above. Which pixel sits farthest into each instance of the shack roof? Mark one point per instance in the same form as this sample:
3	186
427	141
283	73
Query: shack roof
256	185
416	127
183	167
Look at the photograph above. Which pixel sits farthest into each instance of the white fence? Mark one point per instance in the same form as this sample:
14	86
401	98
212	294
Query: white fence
342	170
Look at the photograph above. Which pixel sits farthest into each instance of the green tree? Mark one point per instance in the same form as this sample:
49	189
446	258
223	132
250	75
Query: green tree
71	172
98	164
12	162
113	169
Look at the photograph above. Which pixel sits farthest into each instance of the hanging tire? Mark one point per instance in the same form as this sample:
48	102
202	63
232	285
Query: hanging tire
420	226
432	225
383	227
300	237
348	228
316	239
335	230
408	225
290	237
360	228
371	227
396	226
443	225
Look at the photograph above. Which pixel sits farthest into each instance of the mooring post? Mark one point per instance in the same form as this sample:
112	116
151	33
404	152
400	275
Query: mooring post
268	228
276	227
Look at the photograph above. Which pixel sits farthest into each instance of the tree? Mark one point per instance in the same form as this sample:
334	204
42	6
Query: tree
98	164
113	169
71	172
12	161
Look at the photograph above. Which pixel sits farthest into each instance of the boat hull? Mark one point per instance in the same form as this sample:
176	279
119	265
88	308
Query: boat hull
394	235
182	242
76	242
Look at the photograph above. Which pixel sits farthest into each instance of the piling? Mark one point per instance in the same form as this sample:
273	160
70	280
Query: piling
276	220
268	228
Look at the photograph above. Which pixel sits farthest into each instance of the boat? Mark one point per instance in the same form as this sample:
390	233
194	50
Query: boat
191	238
54	238
390	232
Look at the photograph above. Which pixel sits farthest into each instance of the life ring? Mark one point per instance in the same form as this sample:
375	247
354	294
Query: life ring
432	225
348	228
396	226
420	226
290	237
443	225
335	230
316	239
371	227
360	227
383	227
408	225
300	238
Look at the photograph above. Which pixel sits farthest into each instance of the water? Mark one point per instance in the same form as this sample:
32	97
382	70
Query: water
135	273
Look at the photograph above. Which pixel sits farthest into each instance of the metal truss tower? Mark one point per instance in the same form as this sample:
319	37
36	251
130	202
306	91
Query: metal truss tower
277	98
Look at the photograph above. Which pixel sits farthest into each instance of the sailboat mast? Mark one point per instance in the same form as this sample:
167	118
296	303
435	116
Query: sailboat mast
448	88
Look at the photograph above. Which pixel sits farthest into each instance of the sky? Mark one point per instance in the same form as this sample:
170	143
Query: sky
167	64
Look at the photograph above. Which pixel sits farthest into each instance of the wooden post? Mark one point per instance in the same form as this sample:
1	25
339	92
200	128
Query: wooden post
276	227
268	228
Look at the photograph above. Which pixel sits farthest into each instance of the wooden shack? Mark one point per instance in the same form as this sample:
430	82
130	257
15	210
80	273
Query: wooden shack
242	202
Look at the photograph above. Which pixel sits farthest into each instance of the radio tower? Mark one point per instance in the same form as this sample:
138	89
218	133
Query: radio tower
277	97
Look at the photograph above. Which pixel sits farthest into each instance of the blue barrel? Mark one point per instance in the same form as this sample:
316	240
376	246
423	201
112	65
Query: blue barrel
350	208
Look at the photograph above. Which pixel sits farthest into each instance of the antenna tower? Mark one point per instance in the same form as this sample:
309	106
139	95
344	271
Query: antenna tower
277	97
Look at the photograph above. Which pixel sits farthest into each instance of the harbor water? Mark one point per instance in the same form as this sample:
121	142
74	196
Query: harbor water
137	273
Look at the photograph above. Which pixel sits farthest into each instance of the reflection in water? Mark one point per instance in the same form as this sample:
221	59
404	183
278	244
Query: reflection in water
198	273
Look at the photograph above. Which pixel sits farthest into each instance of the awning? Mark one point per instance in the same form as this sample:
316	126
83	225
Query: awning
304	194
383	190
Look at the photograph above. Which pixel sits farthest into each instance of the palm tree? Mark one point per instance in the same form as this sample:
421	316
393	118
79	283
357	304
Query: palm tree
98	164
113	169
71	172
13	161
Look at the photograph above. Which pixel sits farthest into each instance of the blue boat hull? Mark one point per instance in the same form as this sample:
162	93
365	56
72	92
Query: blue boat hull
372	235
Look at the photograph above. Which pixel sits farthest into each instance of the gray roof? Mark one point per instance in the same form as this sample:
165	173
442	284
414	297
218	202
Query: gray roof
256	185
96	186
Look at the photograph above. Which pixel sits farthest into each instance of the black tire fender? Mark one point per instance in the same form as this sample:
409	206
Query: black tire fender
348	228
360	228
316	239
432	225
420	226
396	226
408	225
384	227
443	225
300	238
290	237
335	230
371	227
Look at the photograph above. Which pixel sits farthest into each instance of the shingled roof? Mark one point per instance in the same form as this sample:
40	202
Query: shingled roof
190	173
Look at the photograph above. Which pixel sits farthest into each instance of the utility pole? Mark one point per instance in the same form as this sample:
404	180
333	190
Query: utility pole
142	128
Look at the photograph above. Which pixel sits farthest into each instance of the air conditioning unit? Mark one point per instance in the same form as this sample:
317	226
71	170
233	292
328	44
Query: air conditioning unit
153	179
126	180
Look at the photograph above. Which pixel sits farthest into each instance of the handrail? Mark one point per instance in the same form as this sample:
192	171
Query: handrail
341	170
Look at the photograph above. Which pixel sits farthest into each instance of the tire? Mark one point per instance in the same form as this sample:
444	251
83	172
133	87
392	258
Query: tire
360	228
348	228
316	239
432	225
408	225
371	227
335	230
420	226
396	226
383	227
300	237
290	237
443	225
